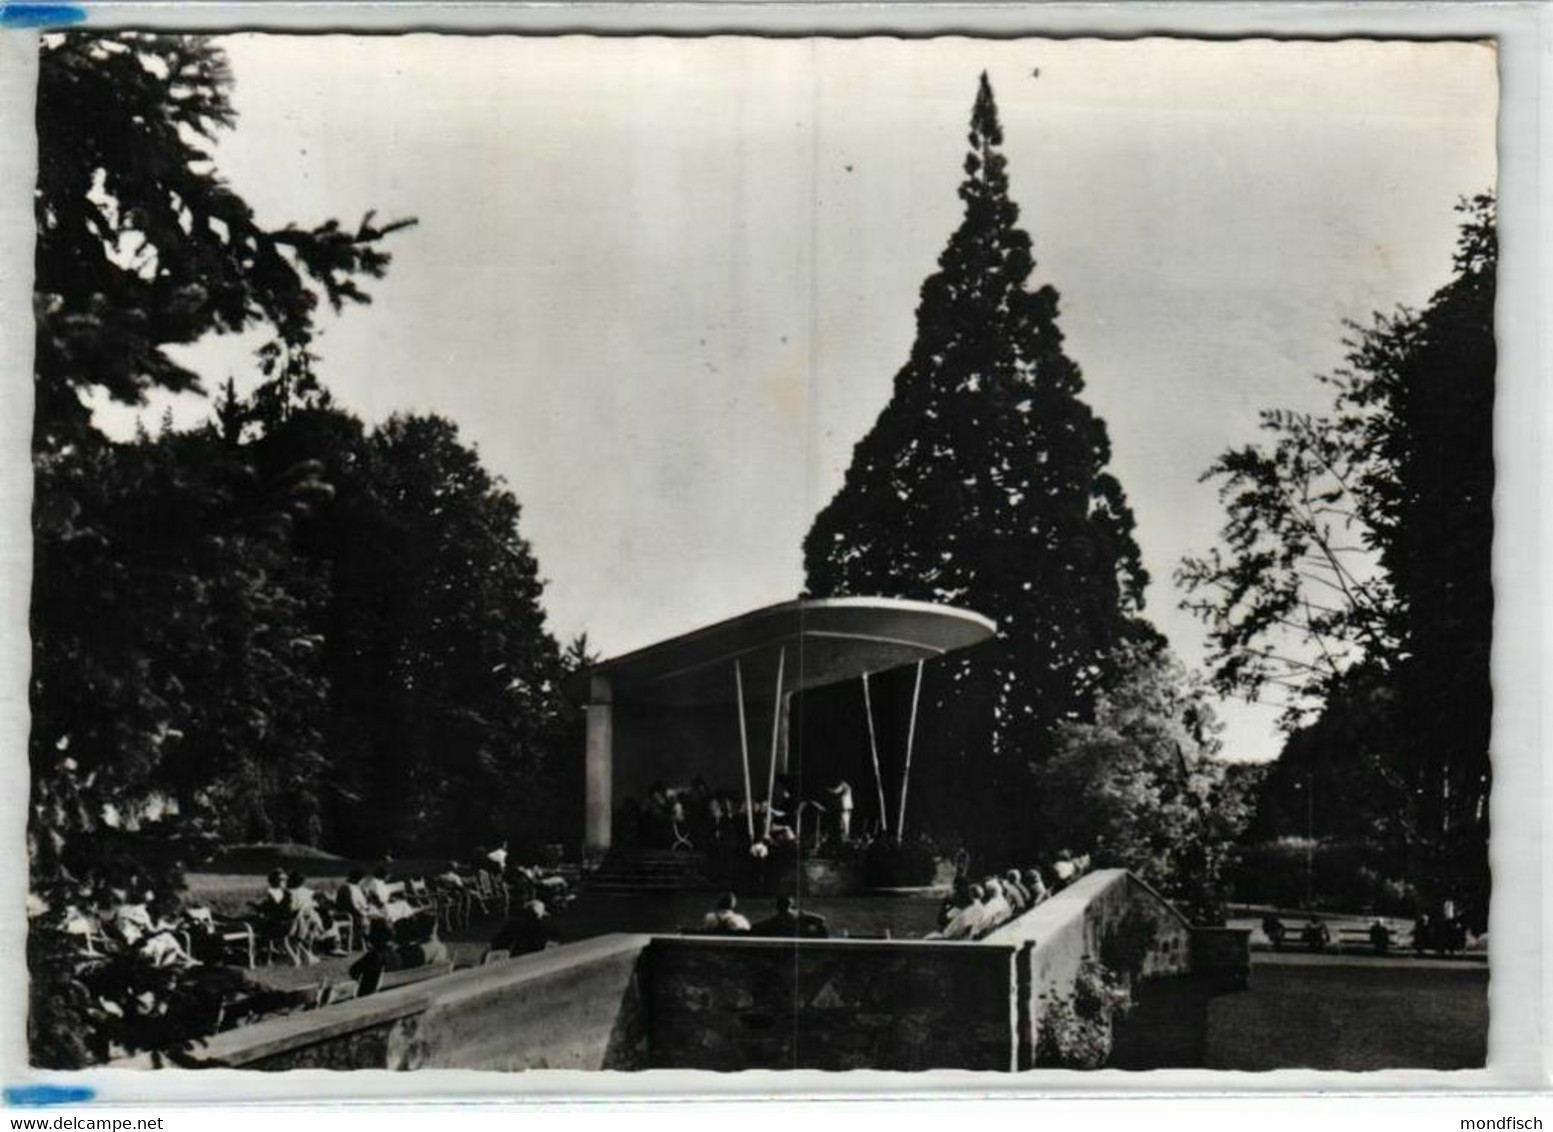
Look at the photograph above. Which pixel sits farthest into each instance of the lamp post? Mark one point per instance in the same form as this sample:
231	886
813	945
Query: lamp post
1310	840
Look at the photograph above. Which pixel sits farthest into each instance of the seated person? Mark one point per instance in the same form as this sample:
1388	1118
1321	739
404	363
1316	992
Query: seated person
1315	935
204	936
132	920
969	920
497	859
382	901
725	917
656	818
957	899
1065	869
532	929
679	821
553	889
164	949
790	922
1273	929
309	926
377	890
998	910
1018	896
148	926
1380	937
385	954
274	913
1035	886
781	832
350	898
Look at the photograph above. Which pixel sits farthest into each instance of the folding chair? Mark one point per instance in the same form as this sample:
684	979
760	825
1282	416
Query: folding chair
238	934
345	928
452	904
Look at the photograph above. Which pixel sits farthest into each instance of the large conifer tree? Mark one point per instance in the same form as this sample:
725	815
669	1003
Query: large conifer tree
983	484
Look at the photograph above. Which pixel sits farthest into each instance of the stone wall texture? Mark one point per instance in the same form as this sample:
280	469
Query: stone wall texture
575	1008
1056	937
729	1004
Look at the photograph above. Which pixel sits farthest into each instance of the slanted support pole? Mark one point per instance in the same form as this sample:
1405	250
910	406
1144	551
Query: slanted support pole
873	751
787	732
776	731
744	750
599	766
911	737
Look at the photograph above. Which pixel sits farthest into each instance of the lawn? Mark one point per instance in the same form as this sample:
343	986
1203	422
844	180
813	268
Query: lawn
1326	1012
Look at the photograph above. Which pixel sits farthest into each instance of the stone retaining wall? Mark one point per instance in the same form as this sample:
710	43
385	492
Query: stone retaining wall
575	1007
728	1004
1055	938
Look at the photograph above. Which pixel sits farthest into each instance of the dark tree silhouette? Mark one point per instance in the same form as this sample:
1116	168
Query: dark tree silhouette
445	708
141	245
983	484
1356	568
173	690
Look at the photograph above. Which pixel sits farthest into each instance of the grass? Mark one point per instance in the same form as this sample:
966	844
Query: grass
1353	1015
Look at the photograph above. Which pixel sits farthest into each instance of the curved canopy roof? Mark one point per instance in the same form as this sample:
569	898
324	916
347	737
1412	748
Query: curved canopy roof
817	641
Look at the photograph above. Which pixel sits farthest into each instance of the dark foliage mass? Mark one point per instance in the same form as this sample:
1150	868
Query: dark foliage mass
142	246
1356	579
279	626
983	484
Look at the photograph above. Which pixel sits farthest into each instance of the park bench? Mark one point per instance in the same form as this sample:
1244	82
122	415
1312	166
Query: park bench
1360	937
1293	937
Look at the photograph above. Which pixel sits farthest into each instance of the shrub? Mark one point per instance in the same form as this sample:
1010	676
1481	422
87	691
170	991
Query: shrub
909	865
1076	1029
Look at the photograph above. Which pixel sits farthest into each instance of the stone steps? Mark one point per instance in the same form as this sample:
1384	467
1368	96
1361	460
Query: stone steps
650	871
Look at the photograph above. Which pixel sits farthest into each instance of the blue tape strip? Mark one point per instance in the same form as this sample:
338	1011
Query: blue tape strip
38	1096
39	15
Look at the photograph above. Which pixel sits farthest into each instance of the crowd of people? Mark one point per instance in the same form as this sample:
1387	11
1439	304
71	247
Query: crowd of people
1444	933
786	920
976	908
700	817
129	914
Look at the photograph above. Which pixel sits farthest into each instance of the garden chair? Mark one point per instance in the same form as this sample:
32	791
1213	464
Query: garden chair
346	927
452	904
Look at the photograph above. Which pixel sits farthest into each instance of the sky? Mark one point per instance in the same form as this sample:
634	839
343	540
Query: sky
664	285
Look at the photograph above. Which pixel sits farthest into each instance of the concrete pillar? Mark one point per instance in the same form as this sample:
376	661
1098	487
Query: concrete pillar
599	808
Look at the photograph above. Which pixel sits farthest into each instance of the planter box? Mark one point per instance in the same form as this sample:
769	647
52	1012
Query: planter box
820	876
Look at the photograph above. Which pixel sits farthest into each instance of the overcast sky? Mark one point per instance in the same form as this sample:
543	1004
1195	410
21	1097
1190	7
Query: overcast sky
664	285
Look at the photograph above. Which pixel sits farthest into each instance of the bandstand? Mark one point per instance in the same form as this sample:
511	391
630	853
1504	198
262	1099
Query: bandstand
714	703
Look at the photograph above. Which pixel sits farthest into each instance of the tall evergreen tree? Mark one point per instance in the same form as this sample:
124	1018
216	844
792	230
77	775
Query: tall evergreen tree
983	484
